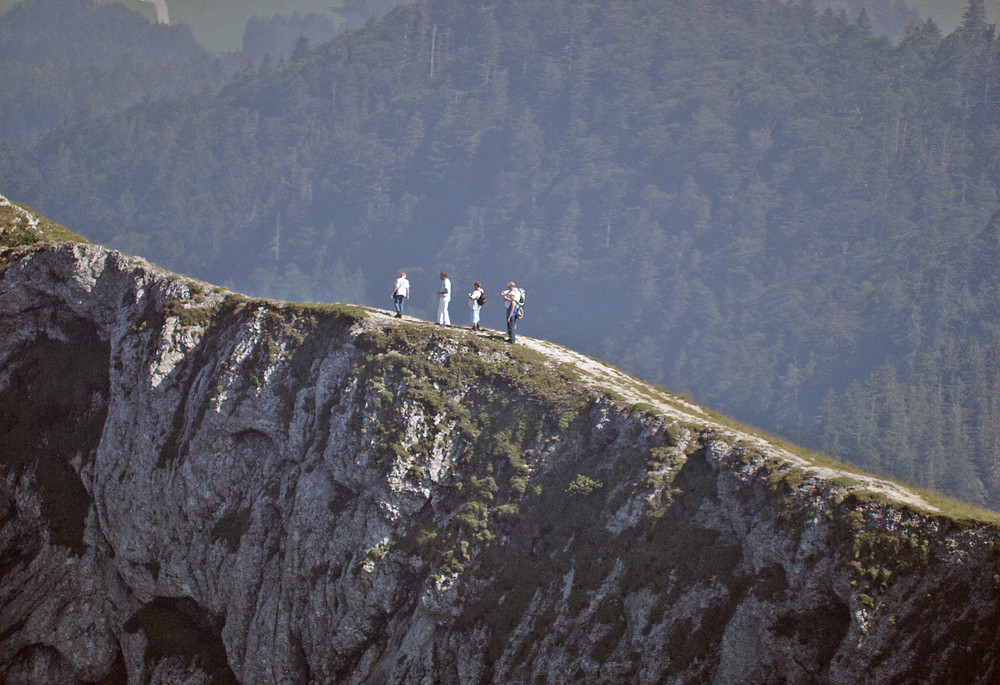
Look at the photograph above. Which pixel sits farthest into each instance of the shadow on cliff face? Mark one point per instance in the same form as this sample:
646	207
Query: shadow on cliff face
53	408
559	565
181	637
560	542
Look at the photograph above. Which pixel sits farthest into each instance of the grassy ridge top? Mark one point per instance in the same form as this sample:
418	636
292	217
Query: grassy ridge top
545	370
20	226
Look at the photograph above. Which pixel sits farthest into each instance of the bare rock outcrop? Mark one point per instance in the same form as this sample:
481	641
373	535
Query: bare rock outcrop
197	487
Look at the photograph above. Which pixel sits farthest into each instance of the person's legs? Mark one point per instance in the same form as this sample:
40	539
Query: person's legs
511	325
447	318
475	318
399	300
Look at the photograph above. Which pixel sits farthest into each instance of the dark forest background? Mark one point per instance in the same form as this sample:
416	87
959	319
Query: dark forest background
764	205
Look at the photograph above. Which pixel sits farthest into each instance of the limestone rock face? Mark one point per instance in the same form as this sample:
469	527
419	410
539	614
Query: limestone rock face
200	488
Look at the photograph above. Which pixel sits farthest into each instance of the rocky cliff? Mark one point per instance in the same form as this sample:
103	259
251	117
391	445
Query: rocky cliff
197	487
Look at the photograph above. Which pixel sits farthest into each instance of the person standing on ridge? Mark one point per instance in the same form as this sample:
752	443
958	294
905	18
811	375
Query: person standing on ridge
444	297
477	298
400	293
514	298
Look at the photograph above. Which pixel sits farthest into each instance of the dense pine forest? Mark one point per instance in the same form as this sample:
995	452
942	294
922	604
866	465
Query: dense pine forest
758	203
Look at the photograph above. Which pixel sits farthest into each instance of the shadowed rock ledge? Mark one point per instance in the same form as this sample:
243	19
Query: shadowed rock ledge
198	487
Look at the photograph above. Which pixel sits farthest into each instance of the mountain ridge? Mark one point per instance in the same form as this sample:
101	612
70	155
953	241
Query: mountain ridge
197	485
593	372
762	214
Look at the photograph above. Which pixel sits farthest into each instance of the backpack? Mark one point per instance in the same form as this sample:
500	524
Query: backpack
481	300
519	314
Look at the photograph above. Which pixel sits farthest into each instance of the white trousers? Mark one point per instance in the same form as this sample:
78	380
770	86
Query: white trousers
443	310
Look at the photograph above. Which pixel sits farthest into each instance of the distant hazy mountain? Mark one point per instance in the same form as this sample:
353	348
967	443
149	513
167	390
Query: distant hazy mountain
66	59
219	24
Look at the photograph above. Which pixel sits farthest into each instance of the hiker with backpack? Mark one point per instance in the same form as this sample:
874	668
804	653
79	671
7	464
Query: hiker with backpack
514	297
477	298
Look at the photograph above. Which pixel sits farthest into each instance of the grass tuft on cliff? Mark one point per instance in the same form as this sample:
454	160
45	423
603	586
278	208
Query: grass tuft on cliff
20	227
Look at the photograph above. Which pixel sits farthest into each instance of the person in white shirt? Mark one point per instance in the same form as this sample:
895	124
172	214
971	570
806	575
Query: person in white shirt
400	293
513	296
475	298
444	297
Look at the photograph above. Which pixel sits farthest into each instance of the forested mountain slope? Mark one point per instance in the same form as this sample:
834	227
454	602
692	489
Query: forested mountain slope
769	208
200	487
66	60
63	60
